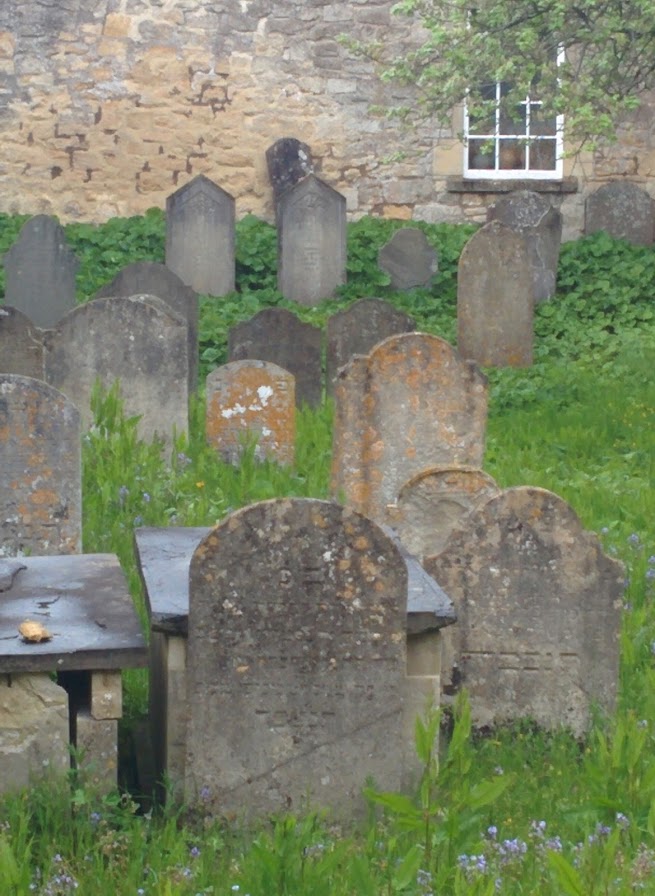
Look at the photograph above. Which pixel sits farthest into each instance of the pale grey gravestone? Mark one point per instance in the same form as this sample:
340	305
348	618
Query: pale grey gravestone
495	305
200	221
356	329
296	660
40	271
539	612
311	241
21	344
540	224
278	336
288	161
154	279
252	401
137	340
409	259
41	482
412	403
622	209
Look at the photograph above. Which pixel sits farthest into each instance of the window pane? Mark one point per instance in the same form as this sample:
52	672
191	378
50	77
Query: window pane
540	124
543	155
514	124
484	123
481	155
512	155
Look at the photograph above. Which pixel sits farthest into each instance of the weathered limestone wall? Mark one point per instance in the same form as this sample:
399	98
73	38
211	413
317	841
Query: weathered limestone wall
107	106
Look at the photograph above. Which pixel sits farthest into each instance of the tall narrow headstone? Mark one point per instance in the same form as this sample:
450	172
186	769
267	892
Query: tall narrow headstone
356	329
200	221
252	400
409	259
154	279
538	609
540	224
410	404
311	241
41	482
278	336
21	344
624	210
495	304
297	660
40	272
138	341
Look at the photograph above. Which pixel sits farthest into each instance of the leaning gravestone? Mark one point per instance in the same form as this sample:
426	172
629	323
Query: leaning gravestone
278	336
21	344
356	329
137	340
200	221
40	272
410	404
297	660
409	259
151	278
288	161
624	210
538	608
311	241
495	304
41	482
252	400
532	216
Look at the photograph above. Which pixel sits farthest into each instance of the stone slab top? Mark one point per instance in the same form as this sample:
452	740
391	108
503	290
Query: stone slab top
84	603
164	557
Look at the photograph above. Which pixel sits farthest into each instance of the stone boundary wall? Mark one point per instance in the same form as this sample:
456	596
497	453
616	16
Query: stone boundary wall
108	106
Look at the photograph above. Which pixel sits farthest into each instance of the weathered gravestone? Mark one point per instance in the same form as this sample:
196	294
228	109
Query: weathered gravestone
137	340
40	272
200	221
297	660
21	344
288	161
624	210
432	503
252	400
356	329
151	278
311	241
410	404
278	336
539	611
535	219
41	482
409	259
495	304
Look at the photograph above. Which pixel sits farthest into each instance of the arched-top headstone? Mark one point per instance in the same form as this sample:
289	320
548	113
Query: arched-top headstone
538	608
624	210
410	404
297	659
154	279
409	259
21	344
495	305
40	271
137	340
200	221
311	241
288	161
41	482
357	328
278	336
531	215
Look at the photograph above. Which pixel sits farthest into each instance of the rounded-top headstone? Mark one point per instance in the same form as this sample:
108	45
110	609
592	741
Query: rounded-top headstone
622	209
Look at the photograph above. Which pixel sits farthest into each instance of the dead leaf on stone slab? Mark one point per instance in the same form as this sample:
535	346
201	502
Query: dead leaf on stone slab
33	632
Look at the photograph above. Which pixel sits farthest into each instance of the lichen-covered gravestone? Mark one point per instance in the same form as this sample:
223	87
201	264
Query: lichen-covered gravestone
154	279
139	341
311	241
40	271
359	327
278	336
624	210
200	221
410	404
296	660
409	259
539	612
21	344
252	400
41	482
288	161
495	304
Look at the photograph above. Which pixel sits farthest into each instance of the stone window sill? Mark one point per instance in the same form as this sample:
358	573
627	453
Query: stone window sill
456	184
